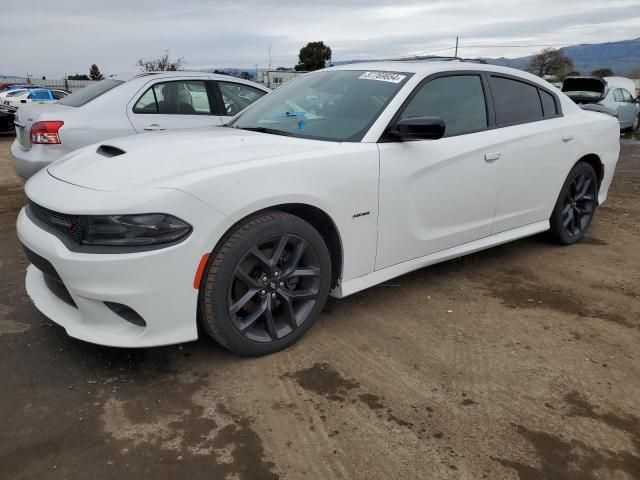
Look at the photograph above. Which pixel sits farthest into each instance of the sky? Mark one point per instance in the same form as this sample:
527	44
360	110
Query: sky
70	35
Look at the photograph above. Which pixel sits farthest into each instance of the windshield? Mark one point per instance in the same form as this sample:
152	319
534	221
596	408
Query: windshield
88	93
336	105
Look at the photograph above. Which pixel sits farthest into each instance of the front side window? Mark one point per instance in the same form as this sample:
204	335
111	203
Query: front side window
335	105
39	95
237	97
514	101
175	98
457	99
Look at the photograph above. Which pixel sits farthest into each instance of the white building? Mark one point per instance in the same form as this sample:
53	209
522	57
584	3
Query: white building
275	78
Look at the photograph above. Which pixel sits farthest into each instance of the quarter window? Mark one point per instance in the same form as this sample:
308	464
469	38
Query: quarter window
175	98
457	99
514	101
627	96
237	97
548	104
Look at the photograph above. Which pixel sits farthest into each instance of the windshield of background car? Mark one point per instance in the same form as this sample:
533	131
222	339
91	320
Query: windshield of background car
338	105
88	93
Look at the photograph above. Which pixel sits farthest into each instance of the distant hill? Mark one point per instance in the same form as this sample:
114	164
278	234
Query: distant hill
621	57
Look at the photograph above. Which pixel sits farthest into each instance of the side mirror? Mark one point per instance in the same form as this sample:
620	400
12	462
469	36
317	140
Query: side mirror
418	128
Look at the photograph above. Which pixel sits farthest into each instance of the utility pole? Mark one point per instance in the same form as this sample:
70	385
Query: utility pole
269	57
456	54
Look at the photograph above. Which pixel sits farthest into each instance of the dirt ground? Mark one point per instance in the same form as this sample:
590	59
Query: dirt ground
520	362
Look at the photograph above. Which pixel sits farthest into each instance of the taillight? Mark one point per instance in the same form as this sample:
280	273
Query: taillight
46	132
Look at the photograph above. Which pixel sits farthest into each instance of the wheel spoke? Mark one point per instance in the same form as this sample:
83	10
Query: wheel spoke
279	250
245	278
262	260
305	294
289	313
298	252
568	217
271	324
253	316
305	272
242	301
583	189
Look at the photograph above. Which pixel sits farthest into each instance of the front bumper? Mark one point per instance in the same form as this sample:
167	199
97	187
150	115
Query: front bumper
27	163
157	285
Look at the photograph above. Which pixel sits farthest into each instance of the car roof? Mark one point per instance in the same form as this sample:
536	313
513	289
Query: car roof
433	66
145	76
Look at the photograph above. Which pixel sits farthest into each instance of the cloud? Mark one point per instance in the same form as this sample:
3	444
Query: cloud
67	37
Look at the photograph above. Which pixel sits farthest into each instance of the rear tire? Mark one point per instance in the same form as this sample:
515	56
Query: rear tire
576	205
266	284
636	124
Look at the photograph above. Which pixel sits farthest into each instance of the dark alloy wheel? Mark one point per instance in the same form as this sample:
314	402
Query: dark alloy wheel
576	205
266	284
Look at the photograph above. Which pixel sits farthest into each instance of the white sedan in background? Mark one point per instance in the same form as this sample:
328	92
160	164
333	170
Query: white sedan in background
336	181
126	105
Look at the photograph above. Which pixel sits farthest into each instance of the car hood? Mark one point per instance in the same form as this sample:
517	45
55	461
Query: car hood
161	159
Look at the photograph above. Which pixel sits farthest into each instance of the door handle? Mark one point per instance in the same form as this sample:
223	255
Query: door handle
491	156
153	127
567	138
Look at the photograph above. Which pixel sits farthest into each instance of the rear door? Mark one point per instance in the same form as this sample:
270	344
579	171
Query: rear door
626	107
235	97
166	105
536	146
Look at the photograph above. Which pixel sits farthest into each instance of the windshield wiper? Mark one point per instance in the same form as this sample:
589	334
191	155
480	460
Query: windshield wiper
272	131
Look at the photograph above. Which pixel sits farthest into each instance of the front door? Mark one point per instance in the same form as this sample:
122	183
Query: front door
174	104
438	194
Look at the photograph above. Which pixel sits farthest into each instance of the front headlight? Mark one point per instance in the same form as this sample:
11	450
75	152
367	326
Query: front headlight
134	230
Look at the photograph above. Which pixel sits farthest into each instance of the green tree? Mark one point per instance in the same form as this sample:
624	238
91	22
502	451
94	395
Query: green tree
161	64
313	56
550	62
94	73
602	72
78	76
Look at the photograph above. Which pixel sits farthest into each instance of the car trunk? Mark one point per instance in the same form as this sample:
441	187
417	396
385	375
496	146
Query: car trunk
584	89
27	115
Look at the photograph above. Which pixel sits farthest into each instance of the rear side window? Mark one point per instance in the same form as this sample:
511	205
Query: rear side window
617	95
88	93
514	101
175	98
457	99
237	97
548	104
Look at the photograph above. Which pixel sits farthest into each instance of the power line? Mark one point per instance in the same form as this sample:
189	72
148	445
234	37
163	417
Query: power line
531	45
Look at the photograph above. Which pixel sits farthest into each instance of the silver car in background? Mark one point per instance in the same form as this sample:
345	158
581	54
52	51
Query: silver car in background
615	94
126	105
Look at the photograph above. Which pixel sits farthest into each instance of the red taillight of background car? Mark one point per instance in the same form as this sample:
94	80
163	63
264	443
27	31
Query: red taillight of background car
46	132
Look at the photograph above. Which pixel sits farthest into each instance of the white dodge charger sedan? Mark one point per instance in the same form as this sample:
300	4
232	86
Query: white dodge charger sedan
337	181
126	105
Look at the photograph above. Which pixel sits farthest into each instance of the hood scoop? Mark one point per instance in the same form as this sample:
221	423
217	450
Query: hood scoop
109	151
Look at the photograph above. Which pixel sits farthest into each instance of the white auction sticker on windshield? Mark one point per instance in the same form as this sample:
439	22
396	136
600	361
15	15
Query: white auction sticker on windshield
383	76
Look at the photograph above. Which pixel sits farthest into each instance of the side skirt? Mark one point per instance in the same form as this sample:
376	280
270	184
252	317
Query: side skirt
352	286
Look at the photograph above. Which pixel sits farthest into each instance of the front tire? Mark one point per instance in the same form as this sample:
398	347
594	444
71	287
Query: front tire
575	206
266	284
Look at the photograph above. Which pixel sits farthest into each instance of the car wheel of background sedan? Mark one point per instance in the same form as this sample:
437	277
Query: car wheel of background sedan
636	124
266	284
575	206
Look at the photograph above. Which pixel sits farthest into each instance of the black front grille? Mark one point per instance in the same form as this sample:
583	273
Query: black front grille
71	226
